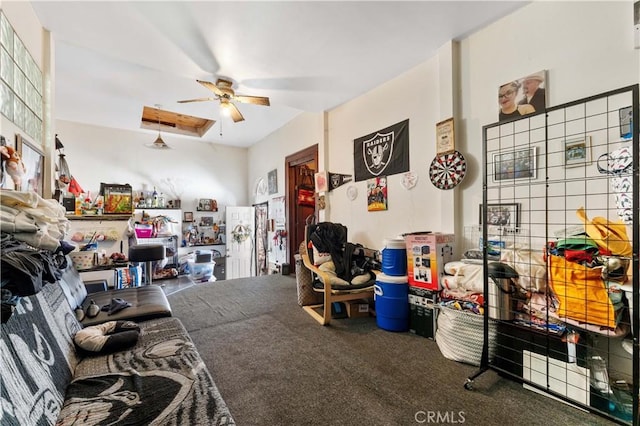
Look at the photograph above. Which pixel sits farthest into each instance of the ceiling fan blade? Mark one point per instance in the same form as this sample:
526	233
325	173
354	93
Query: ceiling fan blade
211	87
197	100
256	100
235	113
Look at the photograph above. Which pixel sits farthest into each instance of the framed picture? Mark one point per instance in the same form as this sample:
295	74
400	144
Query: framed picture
377	194
118	198
188	217
626	116
502	215
516	164
523	96
272	181
577	152
33	160
205	205
445	136
321	182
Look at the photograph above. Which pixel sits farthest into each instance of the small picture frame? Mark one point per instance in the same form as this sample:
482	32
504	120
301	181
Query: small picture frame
445	141
577	152
33	159
505	215
204	205
516	164
272	181
188	217
626	119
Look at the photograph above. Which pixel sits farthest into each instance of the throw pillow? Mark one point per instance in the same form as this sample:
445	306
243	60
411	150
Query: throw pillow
108	337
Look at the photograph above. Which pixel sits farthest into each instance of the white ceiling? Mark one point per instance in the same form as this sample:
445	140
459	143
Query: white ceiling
114	57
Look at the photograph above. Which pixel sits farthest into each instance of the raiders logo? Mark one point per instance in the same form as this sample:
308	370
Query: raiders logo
336	181
377	152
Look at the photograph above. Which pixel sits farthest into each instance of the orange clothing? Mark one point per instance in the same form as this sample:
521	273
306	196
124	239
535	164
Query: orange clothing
582	293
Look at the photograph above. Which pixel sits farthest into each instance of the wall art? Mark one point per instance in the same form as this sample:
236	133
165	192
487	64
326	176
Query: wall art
33	160
517	164
577	152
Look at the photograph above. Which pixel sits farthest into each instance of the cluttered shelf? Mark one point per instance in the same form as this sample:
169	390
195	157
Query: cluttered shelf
105	267
99	217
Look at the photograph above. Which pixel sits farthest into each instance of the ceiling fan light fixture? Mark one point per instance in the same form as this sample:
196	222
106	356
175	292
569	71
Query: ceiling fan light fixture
226	109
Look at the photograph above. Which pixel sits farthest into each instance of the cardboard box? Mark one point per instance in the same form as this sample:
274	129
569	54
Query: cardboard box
427	253
423	317
357	308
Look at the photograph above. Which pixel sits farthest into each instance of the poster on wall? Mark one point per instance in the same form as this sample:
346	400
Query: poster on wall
377	194
524	96
385	152
272	181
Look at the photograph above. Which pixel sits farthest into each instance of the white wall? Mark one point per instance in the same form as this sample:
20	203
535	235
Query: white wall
413	96
27	26
202	170
587	48
268	154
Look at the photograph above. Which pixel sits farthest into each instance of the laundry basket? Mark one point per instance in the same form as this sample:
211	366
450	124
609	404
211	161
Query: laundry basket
460	335
304	282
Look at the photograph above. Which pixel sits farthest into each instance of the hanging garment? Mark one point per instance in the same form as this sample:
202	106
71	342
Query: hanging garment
619	165
582	294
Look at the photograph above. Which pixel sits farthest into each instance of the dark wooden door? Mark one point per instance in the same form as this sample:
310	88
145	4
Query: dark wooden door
300	168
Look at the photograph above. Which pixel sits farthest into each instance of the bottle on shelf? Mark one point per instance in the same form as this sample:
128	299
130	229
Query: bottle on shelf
154	199
78	206
161	201
149	201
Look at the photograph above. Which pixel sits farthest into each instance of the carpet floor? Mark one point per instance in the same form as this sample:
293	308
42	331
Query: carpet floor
275	365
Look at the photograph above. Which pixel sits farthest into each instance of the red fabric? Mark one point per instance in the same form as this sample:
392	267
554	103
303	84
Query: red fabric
306	197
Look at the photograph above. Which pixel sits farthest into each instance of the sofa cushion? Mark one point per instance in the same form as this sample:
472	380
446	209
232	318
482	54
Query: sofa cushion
107	337
38	358
161	380
72	285
146	303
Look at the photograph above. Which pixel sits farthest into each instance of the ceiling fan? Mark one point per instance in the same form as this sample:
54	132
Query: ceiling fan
225	94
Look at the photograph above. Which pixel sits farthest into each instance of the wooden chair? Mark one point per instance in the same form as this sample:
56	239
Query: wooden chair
333	295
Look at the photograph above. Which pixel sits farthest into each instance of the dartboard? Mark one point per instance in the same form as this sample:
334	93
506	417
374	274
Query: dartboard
447	170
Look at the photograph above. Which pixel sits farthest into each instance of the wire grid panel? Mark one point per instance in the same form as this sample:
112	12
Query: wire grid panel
568	297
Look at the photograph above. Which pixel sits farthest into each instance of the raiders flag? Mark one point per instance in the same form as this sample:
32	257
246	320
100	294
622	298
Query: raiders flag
337	179
385	152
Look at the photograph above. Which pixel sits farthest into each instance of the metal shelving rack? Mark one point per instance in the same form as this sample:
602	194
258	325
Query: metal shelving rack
528	161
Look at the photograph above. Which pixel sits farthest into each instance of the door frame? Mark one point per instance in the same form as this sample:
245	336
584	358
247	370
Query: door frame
290	162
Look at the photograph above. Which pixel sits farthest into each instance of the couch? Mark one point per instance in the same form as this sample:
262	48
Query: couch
45	379
147	302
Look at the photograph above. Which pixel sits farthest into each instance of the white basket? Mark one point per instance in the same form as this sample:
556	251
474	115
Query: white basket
460	335
83	259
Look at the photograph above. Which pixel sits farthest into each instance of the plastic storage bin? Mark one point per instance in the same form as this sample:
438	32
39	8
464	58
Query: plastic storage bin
202	272
144	231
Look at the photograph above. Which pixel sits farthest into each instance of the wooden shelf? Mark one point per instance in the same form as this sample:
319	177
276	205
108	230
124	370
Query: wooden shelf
100	217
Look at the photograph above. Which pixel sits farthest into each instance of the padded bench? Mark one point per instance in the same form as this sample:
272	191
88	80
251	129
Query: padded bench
146	302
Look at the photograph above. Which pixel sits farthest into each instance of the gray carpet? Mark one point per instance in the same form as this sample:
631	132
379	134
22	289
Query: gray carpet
275	365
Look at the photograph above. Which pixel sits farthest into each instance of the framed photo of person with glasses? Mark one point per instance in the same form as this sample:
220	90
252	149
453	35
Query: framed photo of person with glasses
524	96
